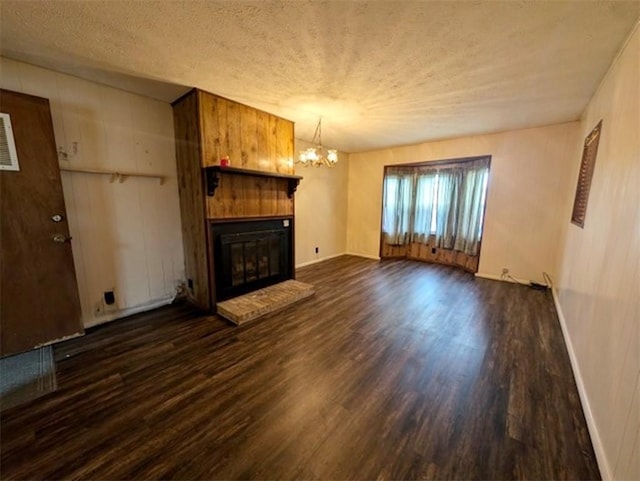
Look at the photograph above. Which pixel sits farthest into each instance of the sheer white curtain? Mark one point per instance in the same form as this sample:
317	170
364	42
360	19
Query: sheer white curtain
460	206
471	211
447	209
397	207
424	206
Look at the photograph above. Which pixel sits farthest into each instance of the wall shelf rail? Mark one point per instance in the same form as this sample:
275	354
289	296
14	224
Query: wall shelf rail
115	175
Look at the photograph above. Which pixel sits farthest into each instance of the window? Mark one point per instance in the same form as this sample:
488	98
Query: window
398	191
445	200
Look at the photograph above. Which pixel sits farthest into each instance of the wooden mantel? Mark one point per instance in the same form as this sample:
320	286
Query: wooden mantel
213	179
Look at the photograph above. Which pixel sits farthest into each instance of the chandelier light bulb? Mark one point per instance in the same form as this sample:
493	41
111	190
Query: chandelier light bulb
313	155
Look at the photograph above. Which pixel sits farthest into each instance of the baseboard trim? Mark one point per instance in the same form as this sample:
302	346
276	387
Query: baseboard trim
495	277
113	316
601	458
366	256
315	261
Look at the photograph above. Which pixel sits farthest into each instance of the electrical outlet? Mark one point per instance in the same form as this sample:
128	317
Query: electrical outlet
109	297
108	301
317	250
505	271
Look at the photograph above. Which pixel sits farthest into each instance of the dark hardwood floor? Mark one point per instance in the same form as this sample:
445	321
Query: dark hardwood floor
393	370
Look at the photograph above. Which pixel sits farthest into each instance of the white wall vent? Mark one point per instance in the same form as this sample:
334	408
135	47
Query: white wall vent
8	155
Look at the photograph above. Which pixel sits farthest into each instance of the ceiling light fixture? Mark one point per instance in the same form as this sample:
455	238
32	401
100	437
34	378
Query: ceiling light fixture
313	155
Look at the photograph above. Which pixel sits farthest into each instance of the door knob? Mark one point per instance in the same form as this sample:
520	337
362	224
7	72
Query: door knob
61	238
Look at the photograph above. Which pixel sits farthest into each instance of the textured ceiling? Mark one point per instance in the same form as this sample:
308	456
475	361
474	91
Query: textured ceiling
380	73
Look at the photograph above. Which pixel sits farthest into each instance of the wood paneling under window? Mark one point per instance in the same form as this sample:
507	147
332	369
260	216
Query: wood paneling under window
587	166
430	253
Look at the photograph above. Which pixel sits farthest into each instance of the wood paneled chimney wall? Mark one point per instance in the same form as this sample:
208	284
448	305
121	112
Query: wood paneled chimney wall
208	128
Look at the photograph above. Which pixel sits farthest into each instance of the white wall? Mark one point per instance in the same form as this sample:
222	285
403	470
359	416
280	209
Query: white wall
528	199
321	209
126	236
599	288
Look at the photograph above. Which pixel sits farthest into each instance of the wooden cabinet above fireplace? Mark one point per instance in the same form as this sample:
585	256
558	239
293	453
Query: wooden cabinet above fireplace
258	184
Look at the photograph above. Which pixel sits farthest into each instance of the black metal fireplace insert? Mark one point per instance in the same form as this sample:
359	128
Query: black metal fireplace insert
249	255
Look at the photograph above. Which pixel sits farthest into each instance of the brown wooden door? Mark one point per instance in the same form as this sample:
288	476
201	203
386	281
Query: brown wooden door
39	300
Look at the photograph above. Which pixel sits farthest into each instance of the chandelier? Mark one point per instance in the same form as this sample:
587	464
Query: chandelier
313	155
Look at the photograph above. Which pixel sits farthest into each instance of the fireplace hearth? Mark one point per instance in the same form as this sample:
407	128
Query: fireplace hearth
250	255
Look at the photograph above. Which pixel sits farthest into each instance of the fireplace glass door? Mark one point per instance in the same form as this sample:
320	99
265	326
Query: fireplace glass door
249	260
253	260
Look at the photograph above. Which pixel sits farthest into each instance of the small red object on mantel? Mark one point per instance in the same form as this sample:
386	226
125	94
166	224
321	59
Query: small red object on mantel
224	161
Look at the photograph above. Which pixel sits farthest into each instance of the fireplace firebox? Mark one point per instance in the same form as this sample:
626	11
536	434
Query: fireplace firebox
249	255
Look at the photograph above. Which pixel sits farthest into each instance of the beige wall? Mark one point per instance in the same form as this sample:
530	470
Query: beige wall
528	201
126	236
321	210
599	287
